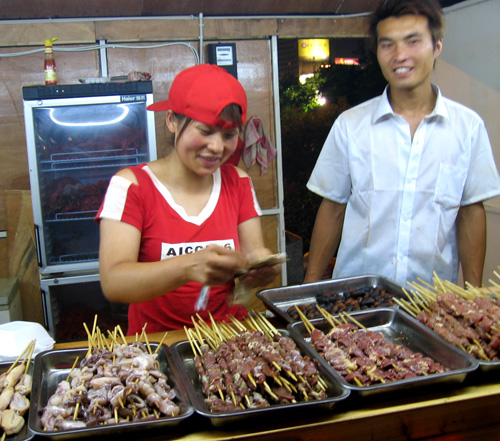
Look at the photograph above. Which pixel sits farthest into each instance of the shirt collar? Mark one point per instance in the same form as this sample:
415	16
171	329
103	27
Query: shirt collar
384	108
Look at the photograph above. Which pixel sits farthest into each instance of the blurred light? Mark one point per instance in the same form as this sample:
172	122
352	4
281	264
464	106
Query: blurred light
349	61
303	78
123	108
317	49
321	100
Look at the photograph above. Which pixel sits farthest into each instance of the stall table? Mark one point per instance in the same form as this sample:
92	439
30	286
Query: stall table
460	412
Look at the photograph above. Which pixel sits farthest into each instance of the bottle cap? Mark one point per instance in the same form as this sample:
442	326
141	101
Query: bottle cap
48	43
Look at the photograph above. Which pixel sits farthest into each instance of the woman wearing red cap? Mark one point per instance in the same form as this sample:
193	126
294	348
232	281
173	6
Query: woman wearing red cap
177	224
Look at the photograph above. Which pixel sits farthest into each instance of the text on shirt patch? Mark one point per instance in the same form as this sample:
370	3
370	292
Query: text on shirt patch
169	250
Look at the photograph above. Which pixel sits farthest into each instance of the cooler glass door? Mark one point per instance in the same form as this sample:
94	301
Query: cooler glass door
77	148
71	303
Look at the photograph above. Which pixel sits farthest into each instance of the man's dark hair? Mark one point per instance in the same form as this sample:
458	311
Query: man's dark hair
398	8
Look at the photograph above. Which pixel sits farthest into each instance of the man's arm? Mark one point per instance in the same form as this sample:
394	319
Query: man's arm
471	238
325	238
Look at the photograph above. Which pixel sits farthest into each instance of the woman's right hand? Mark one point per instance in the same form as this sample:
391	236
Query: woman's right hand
216	265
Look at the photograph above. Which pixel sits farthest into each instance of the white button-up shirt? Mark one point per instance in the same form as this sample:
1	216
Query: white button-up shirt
403	195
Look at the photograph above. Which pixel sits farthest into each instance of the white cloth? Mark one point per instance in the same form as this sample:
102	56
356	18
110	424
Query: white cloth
402	196
257	147
16	336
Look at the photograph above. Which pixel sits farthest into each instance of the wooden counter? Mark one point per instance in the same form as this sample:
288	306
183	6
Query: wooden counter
464	412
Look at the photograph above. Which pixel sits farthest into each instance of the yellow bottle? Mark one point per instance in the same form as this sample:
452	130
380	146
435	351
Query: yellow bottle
49	64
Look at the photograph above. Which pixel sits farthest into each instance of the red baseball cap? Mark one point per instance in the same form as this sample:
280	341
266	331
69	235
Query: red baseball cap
202	92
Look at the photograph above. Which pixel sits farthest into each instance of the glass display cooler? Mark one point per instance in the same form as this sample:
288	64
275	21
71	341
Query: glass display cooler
77	137
70	301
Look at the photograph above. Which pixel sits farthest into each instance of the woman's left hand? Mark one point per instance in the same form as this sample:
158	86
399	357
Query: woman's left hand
263	274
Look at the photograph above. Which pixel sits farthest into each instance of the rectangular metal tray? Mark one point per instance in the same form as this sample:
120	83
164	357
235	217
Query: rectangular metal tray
53	366
183	355
279	300
400	328
25	433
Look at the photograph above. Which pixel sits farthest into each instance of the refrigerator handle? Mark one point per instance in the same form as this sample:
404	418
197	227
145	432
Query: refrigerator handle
44	308
38	247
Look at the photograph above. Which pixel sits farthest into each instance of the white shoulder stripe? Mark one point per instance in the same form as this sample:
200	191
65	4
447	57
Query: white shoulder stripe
255	201
116	196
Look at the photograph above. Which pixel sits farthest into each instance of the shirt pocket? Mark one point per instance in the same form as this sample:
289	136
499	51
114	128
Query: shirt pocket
449	185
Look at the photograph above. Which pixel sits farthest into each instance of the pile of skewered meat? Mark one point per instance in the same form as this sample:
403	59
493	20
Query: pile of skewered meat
471	324
351	300
110	387
363	357
68	195
252	369
15	387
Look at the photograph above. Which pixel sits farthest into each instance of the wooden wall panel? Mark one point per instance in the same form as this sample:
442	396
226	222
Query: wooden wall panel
322	27
148	30
230	28
17	72
236	28
22	253
4	255
178	28
36	9
35	32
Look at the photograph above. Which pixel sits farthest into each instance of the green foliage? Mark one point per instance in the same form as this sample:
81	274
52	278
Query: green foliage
305	126
301	96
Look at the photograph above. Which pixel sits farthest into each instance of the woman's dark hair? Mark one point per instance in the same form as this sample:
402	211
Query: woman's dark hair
232	113
398	8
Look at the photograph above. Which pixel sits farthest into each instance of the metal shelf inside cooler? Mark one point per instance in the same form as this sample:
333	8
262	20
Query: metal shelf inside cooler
73	160
84	257
72	216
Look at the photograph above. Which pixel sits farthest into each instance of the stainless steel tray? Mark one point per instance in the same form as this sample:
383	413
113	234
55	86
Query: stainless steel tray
279	300
183	355
398	327
486	366
25	433
53	366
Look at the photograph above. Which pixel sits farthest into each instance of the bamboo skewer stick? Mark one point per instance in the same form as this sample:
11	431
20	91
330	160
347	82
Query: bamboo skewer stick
305	320
188	335
352	319
421	303
438	281
425	294
72	367
214	327
473	289
95	324
405	306
147	342
20	356
432	288
237	323
329	317
27	359
161	342
411	299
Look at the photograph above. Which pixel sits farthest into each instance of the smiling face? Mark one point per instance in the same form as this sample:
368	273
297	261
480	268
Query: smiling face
202	148
406	53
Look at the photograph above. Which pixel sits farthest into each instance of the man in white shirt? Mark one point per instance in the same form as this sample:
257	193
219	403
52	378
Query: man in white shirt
403	176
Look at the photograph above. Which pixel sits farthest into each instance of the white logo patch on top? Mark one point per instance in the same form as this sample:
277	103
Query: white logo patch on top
169	250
